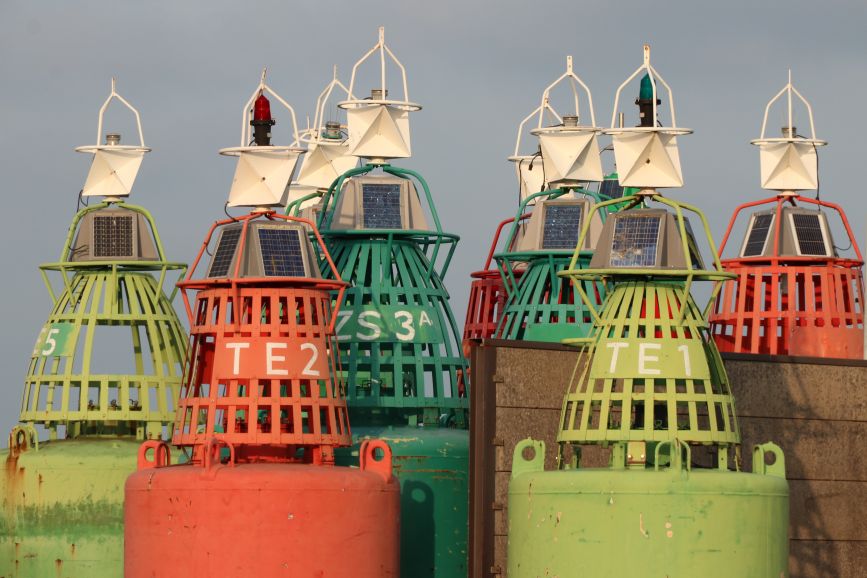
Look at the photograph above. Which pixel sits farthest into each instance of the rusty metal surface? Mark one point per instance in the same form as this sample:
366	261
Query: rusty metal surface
809	406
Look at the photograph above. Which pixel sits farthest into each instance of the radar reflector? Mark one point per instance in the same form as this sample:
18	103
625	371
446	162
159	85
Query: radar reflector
264	171
379	126
647	156
789	163
115	166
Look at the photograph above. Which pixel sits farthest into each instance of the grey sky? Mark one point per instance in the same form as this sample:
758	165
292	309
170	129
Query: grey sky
477	67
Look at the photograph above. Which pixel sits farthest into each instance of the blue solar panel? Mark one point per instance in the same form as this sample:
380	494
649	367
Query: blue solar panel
635	240
225	252
380	205
611	189
282	253
562	226
758	236
811	240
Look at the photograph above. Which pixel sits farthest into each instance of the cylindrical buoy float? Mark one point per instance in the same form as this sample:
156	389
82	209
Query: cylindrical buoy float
261	411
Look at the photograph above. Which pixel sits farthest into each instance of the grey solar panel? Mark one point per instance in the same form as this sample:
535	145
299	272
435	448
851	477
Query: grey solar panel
282	253
113	236
635	240
611	189
380	205
758	236
808	229
562	226
225	252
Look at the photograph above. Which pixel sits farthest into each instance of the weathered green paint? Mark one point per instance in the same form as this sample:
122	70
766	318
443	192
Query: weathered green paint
432	466
674	522
63	508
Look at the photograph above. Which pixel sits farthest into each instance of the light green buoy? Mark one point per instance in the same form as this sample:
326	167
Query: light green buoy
650	385
63	497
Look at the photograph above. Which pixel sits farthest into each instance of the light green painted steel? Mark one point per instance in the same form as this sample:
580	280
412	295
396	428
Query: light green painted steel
539	305
63	499
650	385
406	375
679	522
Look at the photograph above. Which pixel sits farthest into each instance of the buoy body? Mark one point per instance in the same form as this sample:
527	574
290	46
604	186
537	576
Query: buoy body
672	522
262	520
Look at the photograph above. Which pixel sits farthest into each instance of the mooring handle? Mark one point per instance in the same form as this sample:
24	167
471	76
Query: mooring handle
162	455
534	463
760	464
368	460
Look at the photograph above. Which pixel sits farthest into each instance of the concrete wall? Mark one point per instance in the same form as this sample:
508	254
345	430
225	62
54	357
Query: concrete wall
816	410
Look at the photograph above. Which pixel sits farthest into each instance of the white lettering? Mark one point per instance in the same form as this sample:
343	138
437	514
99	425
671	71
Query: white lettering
406	324
270	358
644	358
308	369
616	346
237	346
687	366
375	330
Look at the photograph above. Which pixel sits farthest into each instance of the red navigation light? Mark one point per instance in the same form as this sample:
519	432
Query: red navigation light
262	108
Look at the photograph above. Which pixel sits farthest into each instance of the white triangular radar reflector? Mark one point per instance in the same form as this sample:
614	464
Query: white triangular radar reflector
112	172
647	160
788	166
261	178
323	163
571	155
378	131
531	175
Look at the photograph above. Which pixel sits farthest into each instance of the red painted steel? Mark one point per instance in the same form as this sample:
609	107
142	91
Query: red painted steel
487	295
790	305
260	413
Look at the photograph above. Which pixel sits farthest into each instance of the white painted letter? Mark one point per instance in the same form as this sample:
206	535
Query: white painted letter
375	330
687	367
237	346
643	358
270	358
616	346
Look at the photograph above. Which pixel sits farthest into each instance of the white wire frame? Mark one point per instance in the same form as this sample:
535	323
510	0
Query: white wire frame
112	96
262	88
788	90
654	77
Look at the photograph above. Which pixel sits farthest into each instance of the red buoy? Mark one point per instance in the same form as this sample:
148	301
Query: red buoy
260	414
793	295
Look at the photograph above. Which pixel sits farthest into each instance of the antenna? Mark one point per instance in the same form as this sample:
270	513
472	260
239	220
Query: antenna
647	157
379	126
789	163
328	154
114	166
264	170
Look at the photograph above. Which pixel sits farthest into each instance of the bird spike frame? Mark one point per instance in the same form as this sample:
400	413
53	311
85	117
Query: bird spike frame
649	317
63	386
288	415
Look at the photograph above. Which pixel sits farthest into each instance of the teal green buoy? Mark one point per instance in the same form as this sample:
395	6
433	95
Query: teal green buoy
63	497
650	386
405	374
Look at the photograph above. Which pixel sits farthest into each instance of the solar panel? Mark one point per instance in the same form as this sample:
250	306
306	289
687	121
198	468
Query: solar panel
694	253
635	240
113	236
380	205
562	226
611	189
808	229
225	252
758	236
282	254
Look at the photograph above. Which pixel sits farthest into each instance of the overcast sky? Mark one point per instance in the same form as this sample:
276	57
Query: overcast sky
477	67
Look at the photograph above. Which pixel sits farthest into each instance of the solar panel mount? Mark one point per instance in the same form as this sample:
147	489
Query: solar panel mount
282	251
635	241
562	225
225	252
380	205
